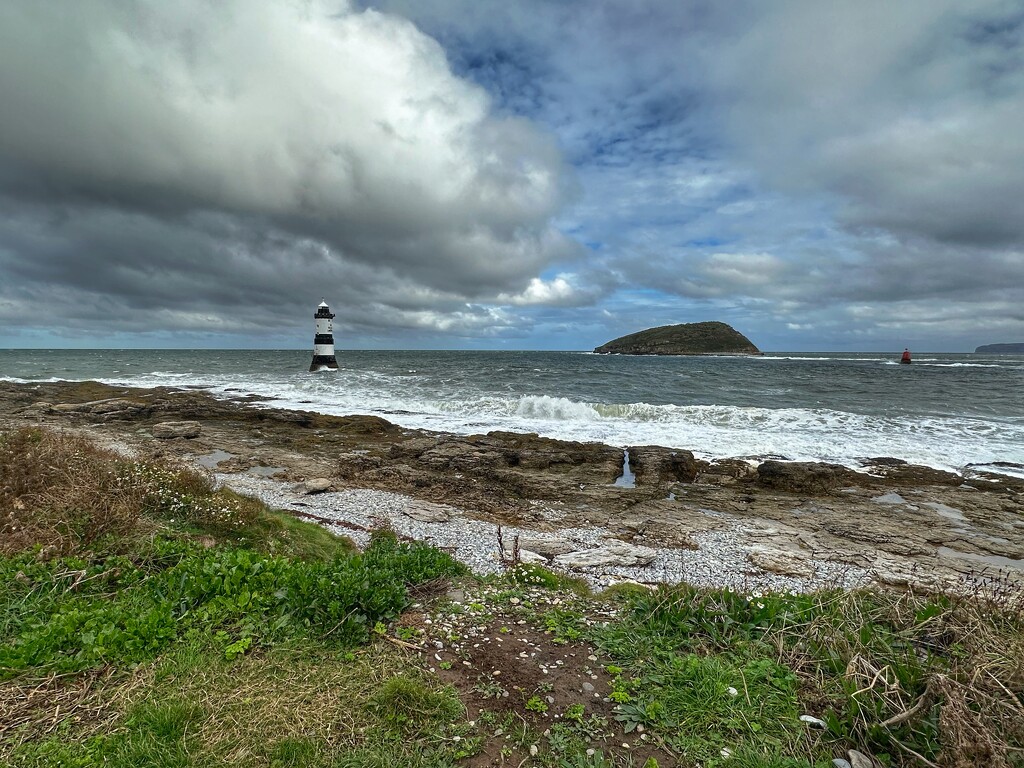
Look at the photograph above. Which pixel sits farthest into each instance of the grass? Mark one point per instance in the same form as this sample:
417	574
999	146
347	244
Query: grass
135	590
532	575
61	493
912	679
147	618
291	705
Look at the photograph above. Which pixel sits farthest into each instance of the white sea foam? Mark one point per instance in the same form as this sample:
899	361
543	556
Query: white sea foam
451	399
966	365
50	380
708	430
546	408
820	357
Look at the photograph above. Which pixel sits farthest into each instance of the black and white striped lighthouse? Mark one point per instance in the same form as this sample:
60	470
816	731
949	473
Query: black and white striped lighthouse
323	342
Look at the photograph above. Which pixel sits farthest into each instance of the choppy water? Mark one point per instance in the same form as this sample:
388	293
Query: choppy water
948	411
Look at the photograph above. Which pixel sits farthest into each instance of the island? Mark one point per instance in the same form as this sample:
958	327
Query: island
709	338
1001	349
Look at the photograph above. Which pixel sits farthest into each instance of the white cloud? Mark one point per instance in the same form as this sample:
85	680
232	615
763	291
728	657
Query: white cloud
277	145
834	166
903	113
561	291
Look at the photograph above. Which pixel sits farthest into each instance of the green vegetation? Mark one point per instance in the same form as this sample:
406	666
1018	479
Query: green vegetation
532	575
147	618
722	676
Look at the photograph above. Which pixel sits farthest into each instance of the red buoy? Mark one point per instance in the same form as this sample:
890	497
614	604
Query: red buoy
905	360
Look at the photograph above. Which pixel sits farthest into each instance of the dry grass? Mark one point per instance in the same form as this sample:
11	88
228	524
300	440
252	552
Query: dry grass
34	709
247	704
61	492
290	694
954	675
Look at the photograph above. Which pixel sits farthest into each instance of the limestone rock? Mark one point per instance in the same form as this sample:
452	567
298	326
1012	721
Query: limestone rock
426	512
654	464
894	571
36	409
612	552
316	485
526	556
888	536
802	477
723	470
354	465
889	498
549	546
883	461
782	562
949	527
367	425
167	430
112	406
68	407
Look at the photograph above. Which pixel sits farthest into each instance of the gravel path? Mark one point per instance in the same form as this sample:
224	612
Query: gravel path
719	561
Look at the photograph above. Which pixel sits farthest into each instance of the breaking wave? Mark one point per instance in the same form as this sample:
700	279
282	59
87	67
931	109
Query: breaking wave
825	408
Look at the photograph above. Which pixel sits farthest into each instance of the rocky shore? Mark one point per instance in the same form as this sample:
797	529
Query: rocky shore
673	517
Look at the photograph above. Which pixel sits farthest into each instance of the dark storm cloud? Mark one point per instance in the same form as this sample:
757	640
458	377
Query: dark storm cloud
847	173
183	275
204	158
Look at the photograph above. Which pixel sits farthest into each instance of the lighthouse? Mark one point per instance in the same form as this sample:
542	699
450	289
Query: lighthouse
323	342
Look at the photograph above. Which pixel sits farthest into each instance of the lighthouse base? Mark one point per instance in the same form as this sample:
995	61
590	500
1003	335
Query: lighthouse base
323	361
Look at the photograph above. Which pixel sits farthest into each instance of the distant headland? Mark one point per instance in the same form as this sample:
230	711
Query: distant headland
1001	349
711	338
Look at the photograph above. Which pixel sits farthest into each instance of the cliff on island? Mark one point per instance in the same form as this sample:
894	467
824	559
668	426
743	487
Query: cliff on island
1001	349
711	338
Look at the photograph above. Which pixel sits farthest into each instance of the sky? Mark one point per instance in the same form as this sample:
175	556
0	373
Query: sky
543	174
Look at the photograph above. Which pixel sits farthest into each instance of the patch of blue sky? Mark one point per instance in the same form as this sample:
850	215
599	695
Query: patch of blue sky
705	242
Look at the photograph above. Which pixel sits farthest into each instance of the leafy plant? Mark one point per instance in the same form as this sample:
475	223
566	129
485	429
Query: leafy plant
536	704
533	575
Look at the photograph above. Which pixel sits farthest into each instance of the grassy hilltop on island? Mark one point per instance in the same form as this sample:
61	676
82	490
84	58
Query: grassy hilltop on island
710	338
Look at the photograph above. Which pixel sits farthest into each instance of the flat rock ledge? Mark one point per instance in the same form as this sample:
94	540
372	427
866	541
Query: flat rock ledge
612	552
167	430
738	522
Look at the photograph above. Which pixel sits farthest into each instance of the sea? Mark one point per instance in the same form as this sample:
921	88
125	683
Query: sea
962	412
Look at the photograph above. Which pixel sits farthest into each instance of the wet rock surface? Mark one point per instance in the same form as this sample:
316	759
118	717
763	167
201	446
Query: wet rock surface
734	520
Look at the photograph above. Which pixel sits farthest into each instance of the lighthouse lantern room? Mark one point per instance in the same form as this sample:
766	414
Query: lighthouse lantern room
323	342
